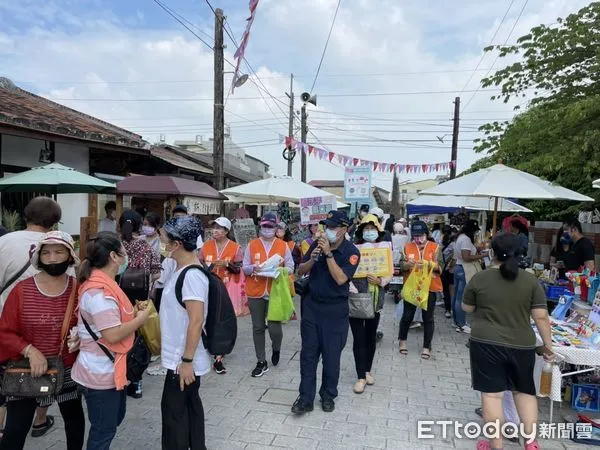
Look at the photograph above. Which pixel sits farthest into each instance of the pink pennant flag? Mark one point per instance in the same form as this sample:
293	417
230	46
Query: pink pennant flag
310	149
355	161
375	165
392	167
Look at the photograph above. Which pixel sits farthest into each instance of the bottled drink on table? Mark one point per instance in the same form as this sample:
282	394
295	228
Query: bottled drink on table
546	379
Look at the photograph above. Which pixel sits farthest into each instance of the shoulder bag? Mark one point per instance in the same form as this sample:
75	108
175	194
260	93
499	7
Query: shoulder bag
17	380
15	277
362	305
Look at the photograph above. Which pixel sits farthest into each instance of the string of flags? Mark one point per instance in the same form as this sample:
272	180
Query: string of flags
239	54
376	166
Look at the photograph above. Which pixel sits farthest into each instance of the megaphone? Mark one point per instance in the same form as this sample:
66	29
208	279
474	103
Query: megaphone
307	98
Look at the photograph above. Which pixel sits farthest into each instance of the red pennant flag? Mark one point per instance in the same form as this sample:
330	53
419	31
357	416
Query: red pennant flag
288	141
310	149
331	156
355	161
424	167
375	165
392	167
437	167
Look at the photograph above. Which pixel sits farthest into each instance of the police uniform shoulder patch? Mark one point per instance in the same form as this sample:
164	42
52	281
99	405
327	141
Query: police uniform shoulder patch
353	260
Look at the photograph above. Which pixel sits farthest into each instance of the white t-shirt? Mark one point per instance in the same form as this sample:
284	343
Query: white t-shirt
93	369
174	320
107	224
463	243
14	251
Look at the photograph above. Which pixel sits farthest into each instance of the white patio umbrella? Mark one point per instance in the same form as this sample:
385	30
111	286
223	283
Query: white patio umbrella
472	203
596	184
500	181
273	190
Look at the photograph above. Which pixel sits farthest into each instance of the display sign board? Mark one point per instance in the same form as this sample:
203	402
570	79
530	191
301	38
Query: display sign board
357	184
375	259
202	206
315	209
244	231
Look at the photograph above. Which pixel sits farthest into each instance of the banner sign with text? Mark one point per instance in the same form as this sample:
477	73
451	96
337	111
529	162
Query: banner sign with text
315	209
357	184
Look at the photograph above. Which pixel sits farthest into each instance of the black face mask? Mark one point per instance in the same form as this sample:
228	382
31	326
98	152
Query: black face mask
55	270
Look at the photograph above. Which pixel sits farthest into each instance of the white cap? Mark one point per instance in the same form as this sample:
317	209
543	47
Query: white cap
377	212
223	222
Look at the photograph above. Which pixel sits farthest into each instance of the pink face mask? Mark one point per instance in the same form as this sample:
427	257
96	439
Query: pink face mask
420	240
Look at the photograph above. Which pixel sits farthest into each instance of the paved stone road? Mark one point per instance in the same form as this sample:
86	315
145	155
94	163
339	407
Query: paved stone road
254	413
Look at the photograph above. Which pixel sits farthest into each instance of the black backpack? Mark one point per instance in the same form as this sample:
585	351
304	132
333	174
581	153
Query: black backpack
221	322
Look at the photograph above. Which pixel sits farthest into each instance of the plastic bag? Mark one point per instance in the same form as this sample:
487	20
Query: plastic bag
416	287
281	306
237	293
151	330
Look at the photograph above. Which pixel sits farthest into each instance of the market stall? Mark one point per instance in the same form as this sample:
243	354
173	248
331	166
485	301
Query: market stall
160	194
503	182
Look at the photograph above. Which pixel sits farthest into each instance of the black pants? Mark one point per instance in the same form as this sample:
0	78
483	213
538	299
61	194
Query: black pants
364	332
428	325
19	416
182	415
447	281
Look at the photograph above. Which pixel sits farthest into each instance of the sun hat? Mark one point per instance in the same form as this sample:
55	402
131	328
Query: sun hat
53	237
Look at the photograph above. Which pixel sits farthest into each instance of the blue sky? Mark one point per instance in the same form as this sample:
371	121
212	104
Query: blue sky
104	56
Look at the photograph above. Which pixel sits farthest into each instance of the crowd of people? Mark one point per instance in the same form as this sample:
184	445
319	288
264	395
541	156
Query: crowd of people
101	303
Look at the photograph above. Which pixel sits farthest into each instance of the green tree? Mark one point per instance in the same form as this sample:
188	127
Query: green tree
558	138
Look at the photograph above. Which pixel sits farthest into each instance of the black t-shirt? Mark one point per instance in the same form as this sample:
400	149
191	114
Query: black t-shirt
584	251
568	259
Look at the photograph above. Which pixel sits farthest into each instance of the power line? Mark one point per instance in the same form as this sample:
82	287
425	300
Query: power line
498	55
484	53
174	15
359	94
326	44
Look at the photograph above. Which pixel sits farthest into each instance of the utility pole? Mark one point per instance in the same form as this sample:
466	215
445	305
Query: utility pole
304	130
218	111
291	128
455	137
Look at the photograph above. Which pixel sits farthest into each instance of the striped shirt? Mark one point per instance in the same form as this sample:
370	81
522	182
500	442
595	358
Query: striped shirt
41	318
93	369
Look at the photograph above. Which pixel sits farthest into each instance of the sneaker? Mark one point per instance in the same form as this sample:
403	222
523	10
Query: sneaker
219	367
379	336
328	405
448	314
260	369
299	407
464	329
275	357
359	386
134	390
415	325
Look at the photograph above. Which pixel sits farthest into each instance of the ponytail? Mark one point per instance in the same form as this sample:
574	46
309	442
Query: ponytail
127	231
509	269
506	248
98	254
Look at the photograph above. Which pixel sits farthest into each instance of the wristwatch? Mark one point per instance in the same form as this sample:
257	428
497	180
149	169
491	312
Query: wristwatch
186	360
329	255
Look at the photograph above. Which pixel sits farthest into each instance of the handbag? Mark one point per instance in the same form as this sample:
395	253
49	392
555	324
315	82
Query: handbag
135	279
301	286
138	358
17	380
361	305
471	268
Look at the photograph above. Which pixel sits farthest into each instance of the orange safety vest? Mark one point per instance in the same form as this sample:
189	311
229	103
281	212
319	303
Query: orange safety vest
429	254
258	287
211	253
291	245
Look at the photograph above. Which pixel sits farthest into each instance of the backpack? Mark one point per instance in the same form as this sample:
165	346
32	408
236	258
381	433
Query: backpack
221	321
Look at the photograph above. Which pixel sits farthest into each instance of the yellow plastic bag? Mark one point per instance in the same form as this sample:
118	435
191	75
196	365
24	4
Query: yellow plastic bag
416	286
151	330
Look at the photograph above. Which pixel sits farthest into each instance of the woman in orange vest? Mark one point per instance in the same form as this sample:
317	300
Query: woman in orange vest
224	258
258	289
421	249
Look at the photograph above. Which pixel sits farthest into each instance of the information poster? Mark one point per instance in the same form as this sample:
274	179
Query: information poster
375	259
315	209
357	184
244	231
202	206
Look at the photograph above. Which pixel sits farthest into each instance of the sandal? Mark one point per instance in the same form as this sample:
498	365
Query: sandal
42	429
404	351
425	355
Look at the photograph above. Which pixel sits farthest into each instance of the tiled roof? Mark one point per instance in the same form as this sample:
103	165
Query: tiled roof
23	109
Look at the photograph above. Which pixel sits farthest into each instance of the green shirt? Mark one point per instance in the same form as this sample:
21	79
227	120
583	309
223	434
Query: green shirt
503	308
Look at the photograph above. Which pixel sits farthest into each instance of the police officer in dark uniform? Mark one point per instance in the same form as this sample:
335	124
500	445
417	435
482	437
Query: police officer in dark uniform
332	262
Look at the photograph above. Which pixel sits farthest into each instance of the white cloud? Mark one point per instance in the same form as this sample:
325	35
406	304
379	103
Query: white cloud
104	57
